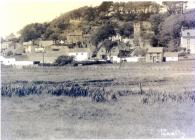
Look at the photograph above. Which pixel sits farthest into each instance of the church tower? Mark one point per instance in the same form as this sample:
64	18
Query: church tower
137	32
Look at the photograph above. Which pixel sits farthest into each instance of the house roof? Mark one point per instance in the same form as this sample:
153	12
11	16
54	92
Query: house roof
46	43
7	42
10	37
124	53
27	43
185	32
155	50
171	54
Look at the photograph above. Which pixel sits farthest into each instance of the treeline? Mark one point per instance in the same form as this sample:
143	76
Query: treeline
167	28
90	16
109	17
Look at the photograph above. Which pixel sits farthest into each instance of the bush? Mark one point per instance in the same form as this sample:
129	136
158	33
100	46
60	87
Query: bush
64	60
39	87
9	53
98	96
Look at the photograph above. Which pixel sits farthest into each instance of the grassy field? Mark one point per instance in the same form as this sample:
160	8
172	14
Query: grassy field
141	101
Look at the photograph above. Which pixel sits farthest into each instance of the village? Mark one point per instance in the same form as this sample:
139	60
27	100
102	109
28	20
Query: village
114	48
110	70
77	45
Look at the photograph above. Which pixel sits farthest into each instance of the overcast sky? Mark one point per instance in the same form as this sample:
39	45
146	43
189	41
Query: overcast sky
15	14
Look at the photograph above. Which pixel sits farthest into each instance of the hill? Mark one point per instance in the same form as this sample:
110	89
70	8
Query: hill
119	16
85	18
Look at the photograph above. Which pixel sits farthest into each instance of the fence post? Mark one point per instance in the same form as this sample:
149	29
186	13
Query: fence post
140	87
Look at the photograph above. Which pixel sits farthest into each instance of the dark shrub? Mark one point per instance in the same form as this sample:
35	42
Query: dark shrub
63	60
77	90
21	88
114	97
98	95
145	100
9	53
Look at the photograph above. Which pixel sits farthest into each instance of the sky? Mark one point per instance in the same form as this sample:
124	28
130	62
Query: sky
15	14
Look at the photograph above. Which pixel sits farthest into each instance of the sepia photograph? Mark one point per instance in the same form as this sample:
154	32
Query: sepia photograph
97	69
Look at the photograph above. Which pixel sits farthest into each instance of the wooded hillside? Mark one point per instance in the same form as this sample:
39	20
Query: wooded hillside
120	16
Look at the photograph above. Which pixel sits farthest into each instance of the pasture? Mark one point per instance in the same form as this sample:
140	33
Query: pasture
141	101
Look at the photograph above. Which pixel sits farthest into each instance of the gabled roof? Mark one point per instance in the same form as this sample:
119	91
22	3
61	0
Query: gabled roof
46	43
171	54
10	37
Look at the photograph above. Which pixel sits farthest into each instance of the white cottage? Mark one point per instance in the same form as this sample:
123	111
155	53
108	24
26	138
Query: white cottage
171	56
12	61
80	54
188	39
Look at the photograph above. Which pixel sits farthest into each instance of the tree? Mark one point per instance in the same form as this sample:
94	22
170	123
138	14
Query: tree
175	7
32	31
108	44
48	32
102	33
126	29
64	60
167	28
156	19
54	36
62	25
105	6
10	53
90	14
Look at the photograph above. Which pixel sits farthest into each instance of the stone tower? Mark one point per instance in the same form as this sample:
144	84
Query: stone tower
137	32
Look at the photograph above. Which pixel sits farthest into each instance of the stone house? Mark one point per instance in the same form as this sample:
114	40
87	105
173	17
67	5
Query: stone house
102	53
154	54
80	54
5	45
28	46
13	48
49	54
37	46
116	37
74	37
45	43
75	21
188	40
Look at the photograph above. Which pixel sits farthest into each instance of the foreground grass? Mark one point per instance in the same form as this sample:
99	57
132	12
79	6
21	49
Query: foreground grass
57	103
44	110
45	116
